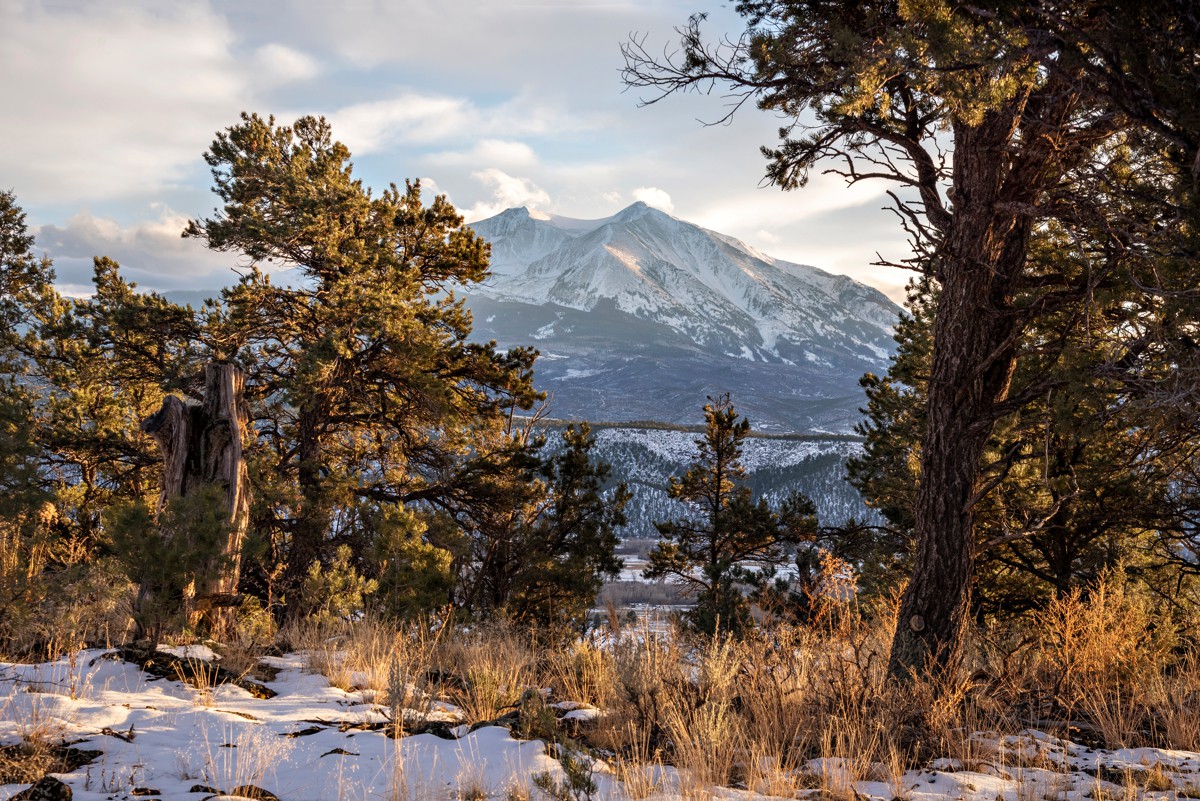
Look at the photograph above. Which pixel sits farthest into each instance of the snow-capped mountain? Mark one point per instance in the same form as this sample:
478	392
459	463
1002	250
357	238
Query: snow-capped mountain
641	315
713	289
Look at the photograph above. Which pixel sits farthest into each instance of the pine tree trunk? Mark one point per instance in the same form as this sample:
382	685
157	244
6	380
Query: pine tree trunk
973	358
311	523
935	606
203	445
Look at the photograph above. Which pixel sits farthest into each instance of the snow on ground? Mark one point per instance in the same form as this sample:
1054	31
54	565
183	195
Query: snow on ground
181	739
161	735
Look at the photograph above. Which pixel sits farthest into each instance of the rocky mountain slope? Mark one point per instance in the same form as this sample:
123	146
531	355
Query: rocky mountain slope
641	315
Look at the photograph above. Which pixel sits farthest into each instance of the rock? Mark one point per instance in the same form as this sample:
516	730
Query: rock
204	788
341	751
303	732
251	791
46	788
438	728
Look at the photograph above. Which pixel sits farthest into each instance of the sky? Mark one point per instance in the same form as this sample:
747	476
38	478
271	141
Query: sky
109	107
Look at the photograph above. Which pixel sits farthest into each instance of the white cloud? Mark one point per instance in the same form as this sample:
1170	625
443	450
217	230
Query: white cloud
415	118
276	63
499	152
768	237
111	99
507	192
409	118
151	252
655	197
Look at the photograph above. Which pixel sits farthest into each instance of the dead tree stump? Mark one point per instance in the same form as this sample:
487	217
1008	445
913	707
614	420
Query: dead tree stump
202	445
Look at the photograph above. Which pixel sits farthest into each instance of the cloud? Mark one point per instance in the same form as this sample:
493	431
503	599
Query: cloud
496	152
276	63
507	192
655	197
151	252
408	118
770	238
111	99
417	118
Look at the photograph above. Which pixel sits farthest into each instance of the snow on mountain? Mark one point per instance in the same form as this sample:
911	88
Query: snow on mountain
640	316
716	291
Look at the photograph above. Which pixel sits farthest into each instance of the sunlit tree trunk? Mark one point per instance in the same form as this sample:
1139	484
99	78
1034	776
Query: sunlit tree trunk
203	445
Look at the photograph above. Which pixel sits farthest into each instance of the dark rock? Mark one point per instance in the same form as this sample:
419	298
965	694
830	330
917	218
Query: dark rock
251	791
508	721
304	732
144	791
167	666
342	751
442	678
204	788
46	788
438	728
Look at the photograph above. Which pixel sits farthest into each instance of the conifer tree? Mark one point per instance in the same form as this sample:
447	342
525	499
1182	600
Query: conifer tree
77	376
1081	477
1035	103
733	541
166	554
368	391
23	525
542	555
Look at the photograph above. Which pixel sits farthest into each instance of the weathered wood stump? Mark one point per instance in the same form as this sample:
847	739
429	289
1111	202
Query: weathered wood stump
202	445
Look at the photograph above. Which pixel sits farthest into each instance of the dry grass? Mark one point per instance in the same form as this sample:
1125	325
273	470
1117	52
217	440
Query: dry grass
755	713
490	669
250	757
1110	658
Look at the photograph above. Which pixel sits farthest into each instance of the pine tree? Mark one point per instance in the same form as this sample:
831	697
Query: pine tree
368	392
1036	103
734	541
167	554
541	556
570	545
24	538
1080	480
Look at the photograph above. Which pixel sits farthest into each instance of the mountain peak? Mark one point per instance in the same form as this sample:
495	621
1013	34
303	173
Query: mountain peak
709	288
635	211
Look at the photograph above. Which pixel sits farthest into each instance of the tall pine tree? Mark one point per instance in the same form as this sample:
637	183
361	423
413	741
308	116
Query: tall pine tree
367	389
1032	102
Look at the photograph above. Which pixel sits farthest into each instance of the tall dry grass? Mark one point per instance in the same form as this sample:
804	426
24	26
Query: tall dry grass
798	706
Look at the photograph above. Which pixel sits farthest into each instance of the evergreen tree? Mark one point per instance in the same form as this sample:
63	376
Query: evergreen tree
78	376
1036	102
24	522
541	556
166	554
1080	480
735	541
368	392
571	542
102	365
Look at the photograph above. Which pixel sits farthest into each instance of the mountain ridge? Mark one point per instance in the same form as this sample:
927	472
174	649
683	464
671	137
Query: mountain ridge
715	289
641	315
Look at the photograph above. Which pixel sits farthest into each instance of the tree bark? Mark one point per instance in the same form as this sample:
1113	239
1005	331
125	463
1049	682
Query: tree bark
973	357
1007	168
203	445
311	522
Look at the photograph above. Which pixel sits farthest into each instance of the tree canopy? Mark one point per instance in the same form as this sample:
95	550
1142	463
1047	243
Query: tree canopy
1007	132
